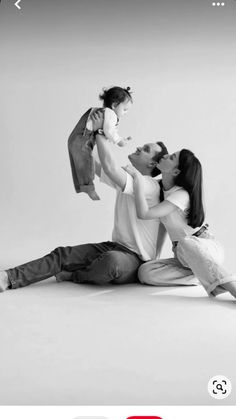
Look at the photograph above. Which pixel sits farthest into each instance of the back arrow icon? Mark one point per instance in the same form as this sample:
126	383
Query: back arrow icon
17	4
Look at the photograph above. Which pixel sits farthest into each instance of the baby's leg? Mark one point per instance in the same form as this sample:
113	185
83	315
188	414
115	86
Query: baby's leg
82	163
93	195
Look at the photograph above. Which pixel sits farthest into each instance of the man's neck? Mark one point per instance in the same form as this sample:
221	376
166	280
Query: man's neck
145	172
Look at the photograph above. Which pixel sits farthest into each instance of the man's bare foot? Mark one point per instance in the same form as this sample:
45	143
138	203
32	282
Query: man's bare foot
231	287
64	276
4	282
93	195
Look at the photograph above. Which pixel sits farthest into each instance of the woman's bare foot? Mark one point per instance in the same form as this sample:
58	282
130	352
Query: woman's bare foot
4	282
231	287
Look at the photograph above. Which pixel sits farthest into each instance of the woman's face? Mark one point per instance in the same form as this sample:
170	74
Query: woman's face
169	162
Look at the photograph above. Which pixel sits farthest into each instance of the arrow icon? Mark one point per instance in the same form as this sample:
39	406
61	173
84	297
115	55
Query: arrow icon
17	4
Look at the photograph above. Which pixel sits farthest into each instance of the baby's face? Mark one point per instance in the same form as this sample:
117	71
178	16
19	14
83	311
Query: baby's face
122	108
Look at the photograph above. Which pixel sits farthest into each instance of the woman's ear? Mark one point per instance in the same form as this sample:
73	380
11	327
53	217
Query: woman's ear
176	172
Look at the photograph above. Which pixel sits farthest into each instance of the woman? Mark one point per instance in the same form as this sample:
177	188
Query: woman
196	252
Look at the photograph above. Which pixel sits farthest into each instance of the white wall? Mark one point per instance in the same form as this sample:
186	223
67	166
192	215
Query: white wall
179	59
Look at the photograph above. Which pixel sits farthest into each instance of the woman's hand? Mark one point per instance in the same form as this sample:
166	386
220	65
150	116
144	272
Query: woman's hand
131	170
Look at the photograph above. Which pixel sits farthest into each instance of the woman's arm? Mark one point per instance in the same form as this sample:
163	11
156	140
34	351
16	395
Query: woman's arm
160	239
143	211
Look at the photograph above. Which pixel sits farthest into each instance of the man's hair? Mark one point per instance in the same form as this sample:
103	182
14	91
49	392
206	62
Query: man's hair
157	157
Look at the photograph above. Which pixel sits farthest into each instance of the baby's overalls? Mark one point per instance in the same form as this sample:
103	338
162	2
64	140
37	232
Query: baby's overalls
80	145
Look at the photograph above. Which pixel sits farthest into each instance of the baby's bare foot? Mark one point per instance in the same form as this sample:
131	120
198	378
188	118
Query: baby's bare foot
93	195
4	282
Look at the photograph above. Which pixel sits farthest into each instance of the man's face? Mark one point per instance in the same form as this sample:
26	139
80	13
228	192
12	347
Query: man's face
142	159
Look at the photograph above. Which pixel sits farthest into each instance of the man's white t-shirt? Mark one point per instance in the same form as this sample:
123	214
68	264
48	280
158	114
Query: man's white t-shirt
138	235
176	223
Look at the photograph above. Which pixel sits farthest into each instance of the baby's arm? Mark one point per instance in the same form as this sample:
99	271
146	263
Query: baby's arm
110	128
123	141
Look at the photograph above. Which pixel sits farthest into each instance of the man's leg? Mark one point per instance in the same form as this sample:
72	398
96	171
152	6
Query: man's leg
114	266
70	258
4	281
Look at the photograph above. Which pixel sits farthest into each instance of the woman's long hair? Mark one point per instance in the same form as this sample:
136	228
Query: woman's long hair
190	178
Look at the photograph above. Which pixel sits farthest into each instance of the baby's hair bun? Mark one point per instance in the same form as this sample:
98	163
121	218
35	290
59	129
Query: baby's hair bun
103	94
128	90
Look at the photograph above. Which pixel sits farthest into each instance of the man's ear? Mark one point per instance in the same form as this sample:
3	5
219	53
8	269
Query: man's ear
152	164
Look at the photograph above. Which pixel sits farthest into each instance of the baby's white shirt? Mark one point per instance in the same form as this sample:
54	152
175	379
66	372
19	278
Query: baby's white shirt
109	125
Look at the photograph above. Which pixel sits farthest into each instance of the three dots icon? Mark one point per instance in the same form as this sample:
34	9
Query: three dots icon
218	4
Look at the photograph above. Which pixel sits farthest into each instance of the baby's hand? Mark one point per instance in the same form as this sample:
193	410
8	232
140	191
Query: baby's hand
123	142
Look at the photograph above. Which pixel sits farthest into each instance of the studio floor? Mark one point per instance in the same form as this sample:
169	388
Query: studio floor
68	344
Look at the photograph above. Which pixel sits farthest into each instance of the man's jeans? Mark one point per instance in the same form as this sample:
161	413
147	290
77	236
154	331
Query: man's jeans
96	263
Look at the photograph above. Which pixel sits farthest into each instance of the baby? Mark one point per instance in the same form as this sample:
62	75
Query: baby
116	103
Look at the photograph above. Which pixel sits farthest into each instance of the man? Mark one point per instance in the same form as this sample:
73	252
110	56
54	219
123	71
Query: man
134	241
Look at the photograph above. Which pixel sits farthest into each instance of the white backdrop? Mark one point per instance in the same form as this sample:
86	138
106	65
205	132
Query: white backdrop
179	59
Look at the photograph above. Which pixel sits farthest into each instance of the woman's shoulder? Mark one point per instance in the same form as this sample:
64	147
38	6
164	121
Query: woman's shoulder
177	191
178	196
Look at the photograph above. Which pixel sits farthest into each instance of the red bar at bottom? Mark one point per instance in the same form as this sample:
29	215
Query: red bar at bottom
144	417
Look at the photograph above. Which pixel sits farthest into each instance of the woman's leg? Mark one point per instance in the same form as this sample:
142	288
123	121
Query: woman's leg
204	256
231	287
166	272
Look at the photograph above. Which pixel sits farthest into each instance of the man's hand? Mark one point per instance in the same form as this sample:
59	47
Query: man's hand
97	119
